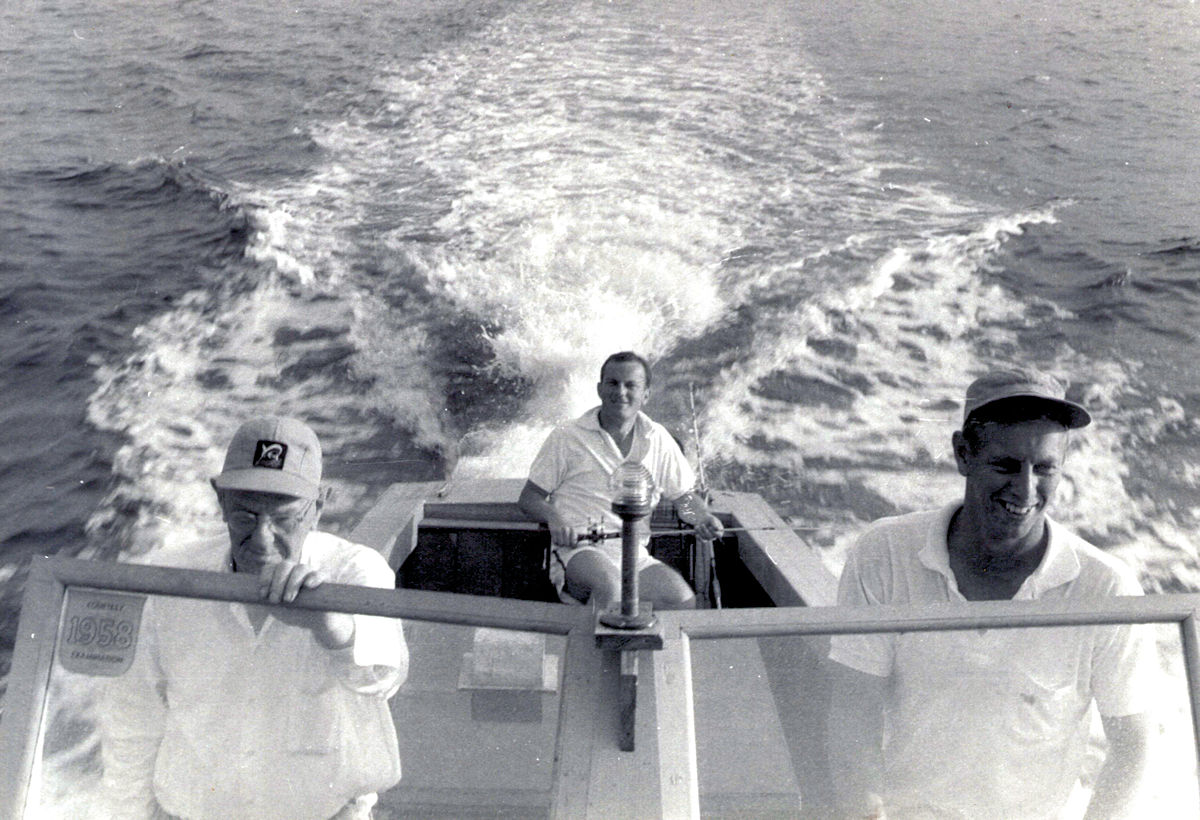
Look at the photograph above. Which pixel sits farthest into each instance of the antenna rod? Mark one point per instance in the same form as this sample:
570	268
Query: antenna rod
696	437
706	550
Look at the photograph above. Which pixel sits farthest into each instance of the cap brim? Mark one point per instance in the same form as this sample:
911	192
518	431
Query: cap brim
1076	416
1072	415
258	480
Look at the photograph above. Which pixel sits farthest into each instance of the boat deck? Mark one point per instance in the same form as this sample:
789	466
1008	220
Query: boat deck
471	538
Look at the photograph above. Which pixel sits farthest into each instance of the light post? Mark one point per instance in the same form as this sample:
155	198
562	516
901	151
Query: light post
632	490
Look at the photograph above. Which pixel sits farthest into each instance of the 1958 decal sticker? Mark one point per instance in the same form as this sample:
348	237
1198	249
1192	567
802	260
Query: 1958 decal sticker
99	631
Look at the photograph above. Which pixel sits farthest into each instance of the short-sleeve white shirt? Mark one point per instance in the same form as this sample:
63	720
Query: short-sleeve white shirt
578	458
216	721
990	724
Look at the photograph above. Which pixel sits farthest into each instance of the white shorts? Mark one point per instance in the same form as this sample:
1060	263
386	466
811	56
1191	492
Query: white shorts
560	556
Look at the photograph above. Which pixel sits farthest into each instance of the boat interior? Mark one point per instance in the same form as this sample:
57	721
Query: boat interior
473	539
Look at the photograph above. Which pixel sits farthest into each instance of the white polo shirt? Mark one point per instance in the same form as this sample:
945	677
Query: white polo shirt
990	724
578	458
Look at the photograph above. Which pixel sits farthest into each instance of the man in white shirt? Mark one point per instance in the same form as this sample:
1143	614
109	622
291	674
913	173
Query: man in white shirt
568	490
234	711
989	724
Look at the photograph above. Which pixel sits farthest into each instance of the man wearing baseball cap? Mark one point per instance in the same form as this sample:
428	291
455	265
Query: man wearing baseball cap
265	712
989	724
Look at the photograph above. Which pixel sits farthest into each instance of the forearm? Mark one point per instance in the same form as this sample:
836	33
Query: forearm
1114	794
534	502
692	508
1120	778
374	659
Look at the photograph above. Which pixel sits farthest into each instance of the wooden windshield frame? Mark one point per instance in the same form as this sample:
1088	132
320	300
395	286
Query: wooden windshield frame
49	578
665	713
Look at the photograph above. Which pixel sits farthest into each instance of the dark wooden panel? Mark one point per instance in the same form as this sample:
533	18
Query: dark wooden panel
508	564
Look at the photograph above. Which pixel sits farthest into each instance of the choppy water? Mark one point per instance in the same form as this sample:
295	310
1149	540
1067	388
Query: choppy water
422	225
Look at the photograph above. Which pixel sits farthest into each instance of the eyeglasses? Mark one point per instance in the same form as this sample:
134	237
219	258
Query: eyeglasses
278	522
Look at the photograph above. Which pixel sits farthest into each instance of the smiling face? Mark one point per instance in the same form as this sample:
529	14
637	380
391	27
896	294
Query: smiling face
265	528
622	390
1012	474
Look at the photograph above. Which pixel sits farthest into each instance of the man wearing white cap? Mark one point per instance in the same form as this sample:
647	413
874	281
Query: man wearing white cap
236	711
989	724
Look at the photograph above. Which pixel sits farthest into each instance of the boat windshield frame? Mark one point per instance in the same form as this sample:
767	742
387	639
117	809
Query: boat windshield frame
50	577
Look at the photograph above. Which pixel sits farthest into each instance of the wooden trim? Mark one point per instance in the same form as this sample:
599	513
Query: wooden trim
391	525
675	717
23	726
786	567
580	723
478	499
479	524
491	803
493	511
702	563
841	620
1189	629
438	607
627	700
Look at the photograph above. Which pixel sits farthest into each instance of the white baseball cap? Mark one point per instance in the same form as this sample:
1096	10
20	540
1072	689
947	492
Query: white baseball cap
273	455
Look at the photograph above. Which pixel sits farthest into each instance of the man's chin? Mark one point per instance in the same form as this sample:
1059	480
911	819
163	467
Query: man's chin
624	412
251	565
1011	534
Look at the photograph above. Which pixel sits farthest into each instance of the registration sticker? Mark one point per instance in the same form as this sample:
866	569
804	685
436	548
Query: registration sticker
99	631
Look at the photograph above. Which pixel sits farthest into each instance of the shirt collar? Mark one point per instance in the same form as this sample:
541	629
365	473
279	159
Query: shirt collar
935	552
1058	566
590	420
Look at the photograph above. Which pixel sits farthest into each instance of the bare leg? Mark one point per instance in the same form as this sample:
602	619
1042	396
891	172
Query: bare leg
665	588
590	576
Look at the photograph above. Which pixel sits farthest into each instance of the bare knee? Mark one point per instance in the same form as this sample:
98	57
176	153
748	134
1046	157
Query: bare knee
590	577
666	588
687	603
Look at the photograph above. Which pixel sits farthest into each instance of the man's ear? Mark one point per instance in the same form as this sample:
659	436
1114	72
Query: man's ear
962	451
322	497
220	496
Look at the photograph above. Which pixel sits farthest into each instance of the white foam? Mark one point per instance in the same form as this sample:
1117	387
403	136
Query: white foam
912	351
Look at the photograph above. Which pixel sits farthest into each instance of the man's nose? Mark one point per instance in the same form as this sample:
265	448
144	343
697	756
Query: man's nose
1025	484
262	534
